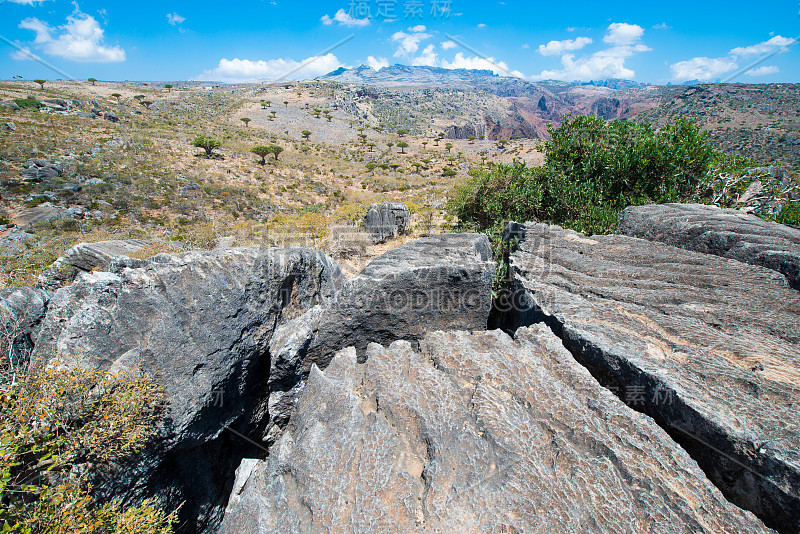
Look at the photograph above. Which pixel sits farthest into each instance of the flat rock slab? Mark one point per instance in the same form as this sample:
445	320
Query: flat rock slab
722	232
473	433
708	346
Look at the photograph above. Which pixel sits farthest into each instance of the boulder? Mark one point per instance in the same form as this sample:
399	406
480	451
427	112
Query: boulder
9	104
722	232
707	346
199	324
42	173
473	433
14	241
9	127
87	257
387	220
110	116
44	212
436	283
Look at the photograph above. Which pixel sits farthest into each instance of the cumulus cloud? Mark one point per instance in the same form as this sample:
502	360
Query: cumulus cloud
702	68
622	33
25	2
175	19
765	47
377	63
763	71
608	63
498	67
555	48
244	70
24	54
427	58
345	19
408	43
80	39
447	45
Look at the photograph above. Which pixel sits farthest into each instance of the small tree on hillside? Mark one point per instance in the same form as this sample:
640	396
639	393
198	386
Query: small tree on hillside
401	133
262	151
40	82
207	143
286	103
117	96
147	103
371	146
246	121
448	147
168	87
449	172
306	134
93	80
371	168
139	97
402	145
275	150
390	145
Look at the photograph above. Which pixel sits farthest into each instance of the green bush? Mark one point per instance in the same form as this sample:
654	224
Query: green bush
593	169
28	103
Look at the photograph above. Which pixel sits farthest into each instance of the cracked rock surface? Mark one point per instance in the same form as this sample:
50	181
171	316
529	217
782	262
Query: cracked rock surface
708	346
723	232
473	432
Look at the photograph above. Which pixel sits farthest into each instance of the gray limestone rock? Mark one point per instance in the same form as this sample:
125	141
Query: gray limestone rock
707	346
387	220
722	232
87	257
473	433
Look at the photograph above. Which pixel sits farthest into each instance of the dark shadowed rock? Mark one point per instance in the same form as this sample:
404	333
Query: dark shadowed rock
43	173
435	283
200	325
722	232
86	257
707	346
387	220
110	116
473	433
9	127
22	310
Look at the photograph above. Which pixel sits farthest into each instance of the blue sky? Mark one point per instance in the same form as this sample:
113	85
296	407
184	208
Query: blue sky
653	42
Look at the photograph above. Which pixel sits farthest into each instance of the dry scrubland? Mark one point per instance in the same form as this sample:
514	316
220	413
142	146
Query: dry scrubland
141	177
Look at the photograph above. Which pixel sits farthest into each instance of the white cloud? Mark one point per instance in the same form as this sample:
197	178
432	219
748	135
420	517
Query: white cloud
765	47
174	18
427	59
608	63
662	26
481	25
447	45
80	39
345	19
621	33
702	68
24	54
377	63
763	71
25	2
554	48
245	70
498	67
408	43
526	46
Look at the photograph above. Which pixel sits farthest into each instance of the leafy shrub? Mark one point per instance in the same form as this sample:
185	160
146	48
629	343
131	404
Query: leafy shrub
59	423
593	170
28	103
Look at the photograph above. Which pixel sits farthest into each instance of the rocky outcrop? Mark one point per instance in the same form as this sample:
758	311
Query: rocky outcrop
44	212
231	335
435	283
707	346
200	325
473	433
86	257
722	232
387	220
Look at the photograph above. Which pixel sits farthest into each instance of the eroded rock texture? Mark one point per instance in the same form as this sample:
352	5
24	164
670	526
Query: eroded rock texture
387	220
436	283
722	232
22	310
708	346
473	433
232	334
86	257
200	324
